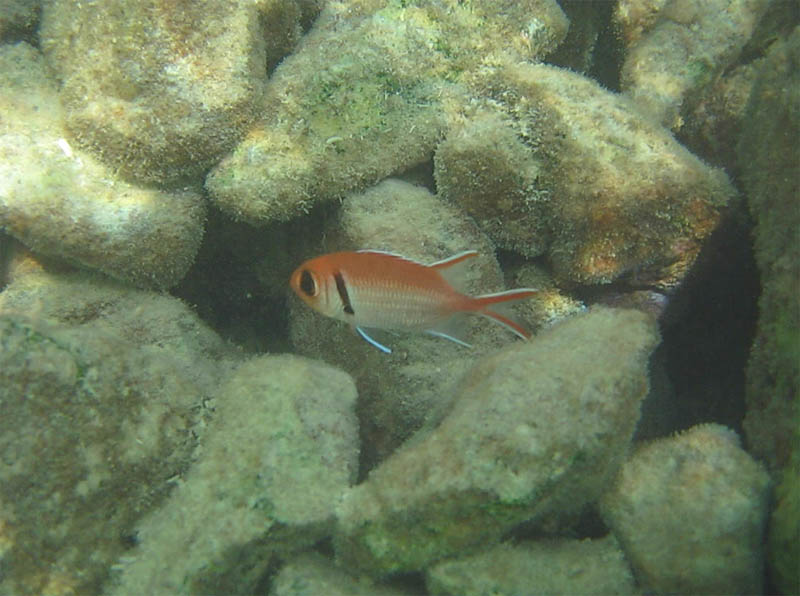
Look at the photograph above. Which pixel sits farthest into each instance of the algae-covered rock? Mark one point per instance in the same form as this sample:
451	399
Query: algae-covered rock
543	567
714	125
676	49
379	103
169	87
62	202
398	392
101	388
279	451
313	575
610	195
784	525
157	322
485	167
768	155
18	19
551	304
536	431
690	513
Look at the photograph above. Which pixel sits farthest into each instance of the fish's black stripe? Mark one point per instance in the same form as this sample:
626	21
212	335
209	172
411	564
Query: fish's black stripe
342	289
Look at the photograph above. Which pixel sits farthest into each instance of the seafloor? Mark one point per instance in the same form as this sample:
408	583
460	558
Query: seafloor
174	420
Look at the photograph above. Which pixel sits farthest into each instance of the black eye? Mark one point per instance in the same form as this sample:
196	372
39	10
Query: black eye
307	284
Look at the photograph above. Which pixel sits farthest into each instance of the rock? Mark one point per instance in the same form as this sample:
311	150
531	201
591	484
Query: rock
544	567
102	389
676	49
400	392
768	156
713	126
690	513
784	525
485	167
9	249
18	19
380	105
169	87
281	448
61	202
158	322
551	304
312	574
609	195
536	431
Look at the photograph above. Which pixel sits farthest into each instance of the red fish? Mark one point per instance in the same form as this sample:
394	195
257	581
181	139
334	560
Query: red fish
380	290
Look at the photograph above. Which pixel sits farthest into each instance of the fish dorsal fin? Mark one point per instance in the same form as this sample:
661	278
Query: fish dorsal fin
387	253
455	270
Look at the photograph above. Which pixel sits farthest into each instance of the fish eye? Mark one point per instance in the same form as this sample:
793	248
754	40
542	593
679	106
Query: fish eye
307	284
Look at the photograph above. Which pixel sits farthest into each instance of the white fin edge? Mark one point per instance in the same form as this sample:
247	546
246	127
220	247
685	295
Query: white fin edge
508	293
440	263
455	257
456	270
381	252
388	253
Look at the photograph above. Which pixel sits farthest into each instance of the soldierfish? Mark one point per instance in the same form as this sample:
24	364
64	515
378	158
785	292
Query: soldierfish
381	290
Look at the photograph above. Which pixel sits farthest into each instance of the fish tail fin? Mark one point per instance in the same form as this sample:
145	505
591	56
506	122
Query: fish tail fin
498	308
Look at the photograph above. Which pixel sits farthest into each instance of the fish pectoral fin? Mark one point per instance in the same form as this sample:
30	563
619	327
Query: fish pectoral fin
380	346
452	328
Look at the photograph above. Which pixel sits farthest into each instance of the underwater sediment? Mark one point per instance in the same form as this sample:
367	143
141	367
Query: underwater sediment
174	421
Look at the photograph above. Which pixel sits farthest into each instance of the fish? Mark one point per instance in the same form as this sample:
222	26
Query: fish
373	289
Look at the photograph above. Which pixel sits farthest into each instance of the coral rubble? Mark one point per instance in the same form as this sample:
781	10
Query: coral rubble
676	49
143	450
61	201
169	87
282	446
536	431
690	512
603	191
552	566
101	388
311	574
18	19
769	156
380	105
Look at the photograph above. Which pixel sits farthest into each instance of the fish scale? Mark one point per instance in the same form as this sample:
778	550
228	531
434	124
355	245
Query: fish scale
396	305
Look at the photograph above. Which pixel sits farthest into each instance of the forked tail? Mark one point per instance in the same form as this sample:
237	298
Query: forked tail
497	307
